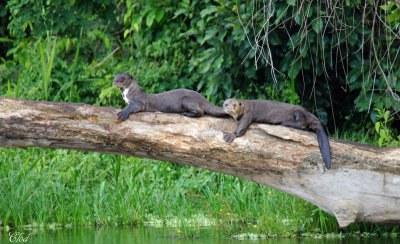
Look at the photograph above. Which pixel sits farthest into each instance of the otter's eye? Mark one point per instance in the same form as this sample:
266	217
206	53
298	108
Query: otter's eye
240	104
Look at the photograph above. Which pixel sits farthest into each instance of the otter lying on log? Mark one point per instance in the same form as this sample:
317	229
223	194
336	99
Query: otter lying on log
265	111
182	101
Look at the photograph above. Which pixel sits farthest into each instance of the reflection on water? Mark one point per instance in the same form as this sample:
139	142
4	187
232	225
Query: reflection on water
148	235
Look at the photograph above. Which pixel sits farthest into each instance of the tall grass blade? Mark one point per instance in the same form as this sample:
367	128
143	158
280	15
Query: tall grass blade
73	67
47	66
9	88
18	85
43	64
50	65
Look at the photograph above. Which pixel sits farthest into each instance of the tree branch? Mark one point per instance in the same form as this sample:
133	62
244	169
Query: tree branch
362	186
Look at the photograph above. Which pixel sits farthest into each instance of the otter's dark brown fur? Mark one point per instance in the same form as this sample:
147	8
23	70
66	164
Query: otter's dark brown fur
265	111
183	101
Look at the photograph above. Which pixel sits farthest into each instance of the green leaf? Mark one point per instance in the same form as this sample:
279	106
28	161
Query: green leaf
386	115
353	76
179	12
190	32
294	39
221	35
377	126
136	22
210	33
291	2
310	12
274	39
5	39
150	18
363	101
208	10
295	69
218	62
387	6
317	25
200	84
126	32
204	67
353	38
304	49
206	54
393	16
298	18
107	42
159	14
284	64
374	116
201	24
280	12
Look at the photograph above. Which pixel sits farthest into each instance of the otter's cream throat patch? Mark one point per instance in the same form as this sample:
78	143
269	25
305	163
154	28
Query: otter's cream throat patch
125	96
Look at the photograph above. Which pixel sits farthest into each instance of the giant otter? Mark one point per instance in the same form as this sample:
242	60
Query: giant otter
183	101
265	111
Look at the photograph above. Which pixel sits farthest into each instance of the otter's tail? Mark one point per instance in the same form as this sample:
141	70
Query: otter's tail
324	145
213	110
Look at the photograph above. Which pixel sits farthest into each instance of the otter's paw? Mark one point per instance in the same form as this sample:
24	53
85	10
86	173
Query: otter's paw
123	115
229	137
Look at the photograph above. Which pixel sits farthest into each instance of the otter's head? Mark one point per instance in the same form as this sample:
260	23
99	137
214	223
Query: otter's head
234	108
123	81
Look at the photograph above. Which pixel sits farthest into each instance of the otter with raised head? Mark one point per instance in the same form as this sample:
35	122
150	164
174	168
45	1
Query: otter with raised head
182	101
265	111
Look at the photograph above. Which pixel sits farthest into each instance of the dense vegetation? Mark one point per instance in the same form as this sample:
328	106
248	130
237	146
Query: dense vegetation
338	59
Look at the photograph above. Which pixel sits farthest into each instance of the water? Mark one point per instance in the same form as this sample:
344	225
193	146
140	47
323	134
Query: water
145	235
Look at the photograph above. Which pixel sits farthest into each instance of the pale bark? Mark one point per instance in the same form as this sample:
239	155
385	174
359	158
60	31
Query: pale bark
362	186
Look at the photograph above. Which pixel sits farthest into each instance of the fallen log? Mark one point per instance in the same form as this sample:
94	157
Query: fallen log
362	186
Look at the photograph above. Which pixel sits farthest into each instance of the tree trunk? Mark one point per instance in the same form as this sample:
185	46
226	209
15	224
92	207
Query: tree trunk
362	186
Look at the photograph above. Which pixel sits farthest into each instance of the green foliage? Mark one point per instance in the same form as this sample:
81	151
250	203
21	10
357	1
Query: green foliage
93	189
382	127
331	58
63	17
60	69
46	62
393	11
319	49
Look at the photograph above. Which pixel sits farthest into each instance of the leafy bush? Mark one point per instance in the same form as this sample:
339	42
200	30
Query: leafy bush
382	127
330	55
339	60
61	17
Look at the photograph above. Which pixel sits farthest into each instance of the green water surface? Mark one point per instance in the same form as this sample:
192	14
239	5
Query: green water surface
150	235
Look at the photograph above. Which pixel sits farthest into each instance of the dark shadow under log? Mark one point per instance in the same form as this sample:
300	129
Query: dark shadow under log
362	186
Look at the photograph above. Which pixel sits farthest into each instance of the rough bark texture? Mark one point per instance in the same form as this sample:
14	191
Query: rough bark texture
362	186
